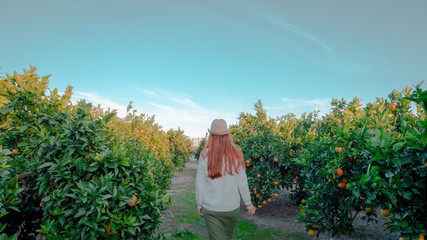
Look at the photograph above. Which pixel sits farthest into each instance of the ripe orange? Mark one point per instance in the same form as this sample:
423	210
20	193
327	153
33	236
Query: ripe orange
248	161
255	208
15	151
341	185
264	202
258	195
421	237
238	140
269	200
385	212
258	175
314	226
276	183
339	121
259	206
374	111
311	233
275	160
132	203
393	106
276	195
303	189
303	201
248	164
345	180
261	159
255	189
334	136
340	172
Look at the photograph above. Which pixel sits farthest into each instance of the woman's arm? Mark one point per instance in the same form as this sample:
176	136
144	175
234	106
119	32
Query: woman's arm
200	185
242	184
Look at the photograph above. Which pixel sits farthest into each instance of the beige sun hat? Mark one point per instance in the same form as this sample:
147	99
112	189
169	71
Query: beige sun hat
219	127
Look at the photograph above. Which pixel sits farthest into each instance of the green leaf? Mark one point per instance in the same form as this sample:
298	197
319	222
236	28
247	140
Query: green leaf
80	212
5	110
46	164
89	223
124	163
398	146
350	186
364	179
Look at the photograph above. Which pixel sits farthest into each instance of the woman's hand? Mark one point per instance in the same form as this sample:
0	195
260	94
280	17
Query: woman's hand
251	209
200	212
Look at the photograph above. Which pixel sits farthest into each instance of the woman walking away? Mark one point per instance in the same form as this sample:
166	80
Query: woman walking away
221	181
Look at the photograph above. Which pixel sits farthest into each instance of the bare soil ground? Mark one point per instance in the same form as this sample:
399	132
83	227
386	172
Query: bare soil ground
279	215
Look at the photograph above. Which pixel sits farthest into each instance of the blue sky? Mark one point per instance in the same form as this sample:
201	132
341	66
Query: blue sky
188	61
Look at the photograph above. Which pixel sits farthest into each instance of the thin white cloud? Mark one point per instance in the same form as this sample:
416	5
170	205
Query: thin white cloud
186	102
105	103
278	21
300	106
194	121
146	92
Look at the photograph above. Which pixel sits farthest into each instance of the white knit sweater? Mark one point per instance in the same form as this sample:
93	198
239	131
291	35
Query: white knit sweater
221	194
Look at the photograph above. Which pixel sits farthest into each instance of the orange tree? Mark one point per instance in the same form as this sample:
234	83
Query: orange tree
67	167
353	160
199	148
366	159
181	147
268	155
9	190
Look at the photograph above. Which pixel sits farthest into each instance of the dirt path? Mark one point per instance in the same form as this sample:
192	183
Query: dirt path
277	220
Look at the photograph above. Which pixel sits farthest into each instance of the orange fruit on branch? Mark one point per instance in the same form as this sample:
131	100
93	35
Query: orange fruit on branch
276	183
340	172
311	233
15	151
132	203
258	175
341	185
393	106
385	212
276	195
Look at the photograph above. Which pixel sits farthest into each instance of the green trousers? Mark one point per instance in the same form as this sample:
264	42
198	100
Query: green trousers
220	224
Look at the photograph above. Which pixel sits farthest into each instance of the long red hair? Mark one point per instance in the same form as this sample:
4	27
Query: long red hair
222	147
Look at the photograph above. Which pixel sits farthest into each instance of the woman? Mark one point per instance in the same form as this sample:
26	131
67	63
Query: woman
221	181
